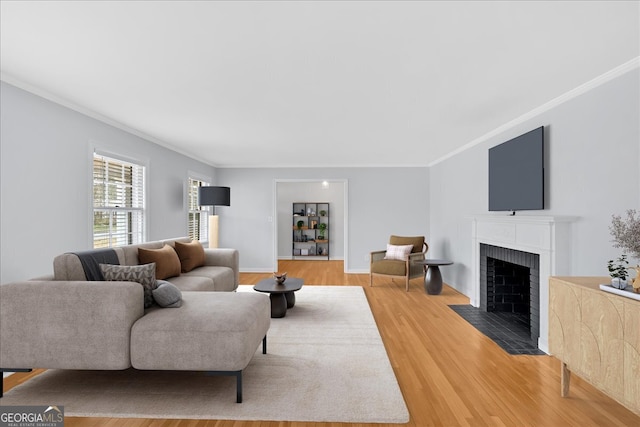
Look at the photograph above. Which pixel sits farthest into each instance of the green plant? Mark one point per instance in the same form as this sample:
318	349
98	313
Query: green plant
323	213
322	227
300	224
618	268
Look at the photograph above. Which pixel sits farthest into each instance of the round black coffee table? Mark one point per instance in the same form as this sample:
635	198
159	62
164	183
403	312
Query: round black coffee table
282	296
432	275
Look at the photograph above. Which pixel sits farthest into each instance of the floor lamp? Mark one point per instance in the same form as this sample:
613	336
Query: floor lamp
214	196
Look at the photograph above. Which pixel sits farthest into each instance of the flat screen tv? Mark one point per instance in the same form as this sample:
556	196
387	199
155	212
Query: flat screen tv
516	173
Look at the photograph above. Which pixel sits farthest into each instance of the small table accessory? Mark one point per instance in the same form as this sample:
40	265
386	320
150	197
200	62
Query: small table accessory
280	277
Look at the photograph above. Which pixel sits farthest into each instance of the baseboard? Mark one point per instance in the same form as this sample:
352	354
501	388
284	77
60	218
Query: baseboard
257	270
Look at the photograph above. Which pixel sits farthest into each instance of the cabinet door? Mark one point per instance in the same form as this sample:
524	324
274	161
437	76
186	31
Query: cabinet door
564	322
601	338
632	355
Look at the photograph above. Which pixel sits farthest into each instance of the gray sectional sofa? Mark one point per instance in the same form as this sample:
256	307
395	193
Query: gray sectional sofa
220	271
69	322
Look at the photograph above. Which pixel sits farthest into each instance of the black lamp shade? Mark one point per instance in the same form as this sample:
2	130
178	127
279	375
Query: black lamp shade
214	196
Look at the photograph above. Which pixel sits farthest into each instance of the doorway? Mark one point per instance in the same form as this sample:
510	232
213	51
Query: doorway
289	191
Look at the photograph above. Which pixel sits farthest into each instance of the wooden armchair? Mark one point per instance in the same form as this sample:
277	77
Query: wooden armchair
380	265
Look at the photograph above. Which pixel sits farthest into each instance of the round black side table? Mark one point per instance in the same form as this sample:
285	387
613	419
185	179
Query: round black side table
432	275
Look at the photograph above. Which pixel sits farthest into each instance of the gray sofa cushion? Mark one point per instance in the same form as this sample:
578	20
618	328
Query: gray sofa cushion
167	295
192	283
144	274
211	331
223	277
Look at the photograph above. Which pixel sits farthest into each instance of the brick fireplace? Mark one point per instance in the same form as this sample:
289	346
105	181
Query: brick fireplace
519	241
510	283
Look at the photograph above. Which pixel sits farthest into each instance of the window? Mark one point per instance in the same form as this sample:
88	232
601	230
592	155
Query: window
118	202
198	217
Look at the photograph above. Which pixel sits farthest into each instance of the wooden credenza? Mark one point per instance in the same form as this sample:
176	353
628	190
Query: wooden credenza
596	335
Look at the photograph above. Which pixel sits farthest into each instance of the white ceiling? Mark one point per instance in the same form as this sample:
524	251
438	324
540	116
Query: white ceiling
323	83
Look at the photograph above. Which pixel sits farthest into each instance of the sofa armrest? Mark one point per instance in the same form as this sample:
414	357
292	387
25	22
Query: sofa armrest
224	257
68	324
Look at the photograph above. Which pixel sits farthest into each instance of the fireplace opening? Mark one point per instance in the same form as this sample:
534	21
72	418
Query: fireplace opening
509	290
510	287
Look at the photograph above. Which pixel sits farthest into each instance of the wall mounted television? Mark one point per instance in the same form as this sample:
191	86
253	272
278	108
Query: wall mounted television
516	173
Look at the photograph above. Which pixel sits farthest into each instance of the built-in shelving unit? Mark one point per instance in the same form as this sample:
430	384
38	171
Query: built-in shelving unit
310	226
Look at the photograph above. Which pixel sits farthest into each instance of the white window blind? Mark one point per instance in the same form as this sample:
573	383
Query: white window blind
198	217
118	202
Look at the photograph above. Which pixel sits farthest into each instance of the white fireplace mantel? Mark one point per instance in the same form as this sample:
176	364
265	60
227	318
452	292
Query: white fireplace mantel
547	236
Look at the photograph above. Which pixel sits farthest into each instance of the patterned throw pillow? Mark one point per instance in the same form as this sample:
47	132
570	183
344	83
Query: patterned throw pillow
398	252
144	274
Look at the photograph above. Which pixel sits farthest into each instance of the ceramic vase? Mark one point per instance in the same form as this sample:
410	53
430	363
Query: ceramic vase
619	283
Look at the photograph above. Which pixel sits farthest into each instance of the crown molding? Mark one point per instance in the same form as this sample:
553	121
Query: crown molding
586	87
580	90
13	81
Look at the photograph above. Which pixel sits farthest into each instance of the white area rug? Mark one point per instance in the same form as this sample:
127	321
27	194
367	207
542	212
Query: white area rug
325	362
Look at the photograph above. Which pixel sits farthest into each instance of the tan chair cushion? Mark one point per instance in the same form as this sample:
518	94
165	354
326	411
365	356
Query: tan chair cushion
191	255
166	259
389	266
416	241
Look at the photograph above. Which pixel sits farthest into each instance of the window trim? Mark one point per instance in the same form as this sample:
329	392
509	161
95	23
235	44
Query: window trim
207	180
122	155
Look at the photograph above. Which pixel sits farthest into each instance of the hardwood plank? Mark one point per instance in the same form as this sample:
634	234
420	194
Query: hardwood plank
450	374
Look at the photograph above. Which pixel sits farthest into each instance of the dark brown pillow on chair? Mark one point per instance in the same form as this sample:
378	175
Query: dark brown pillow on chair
191	255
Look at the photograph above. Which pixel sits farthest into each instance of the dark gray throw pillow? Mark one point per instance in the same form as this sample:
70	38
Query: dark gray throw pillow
167	294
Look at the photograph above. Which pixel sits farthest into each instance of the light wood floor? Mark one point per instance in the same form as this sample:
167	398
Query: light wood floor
449	373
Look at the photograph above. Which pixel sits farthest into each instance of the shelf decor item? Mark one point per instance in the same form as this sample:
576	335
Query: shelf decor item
618	272
636	281
280	277
626	235
322	227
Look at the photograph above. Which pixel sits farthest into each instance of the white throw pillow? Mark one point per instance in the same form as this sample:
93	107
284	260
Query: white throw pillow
398	252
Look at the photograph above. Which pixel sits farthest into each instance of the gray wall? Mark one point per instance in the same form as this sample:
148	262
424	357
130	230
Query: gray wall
45	151
45	176
381	202
592	144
